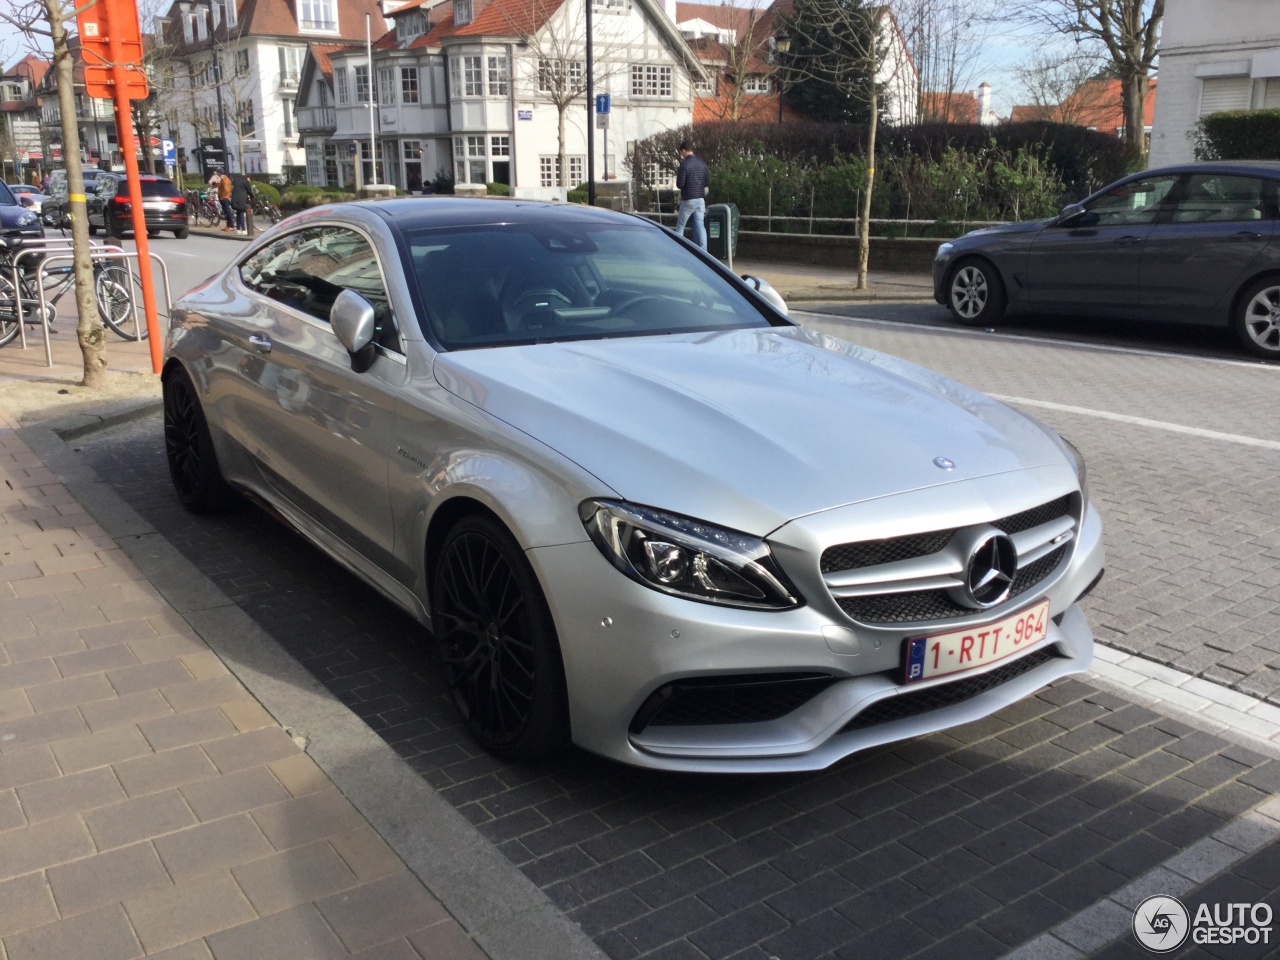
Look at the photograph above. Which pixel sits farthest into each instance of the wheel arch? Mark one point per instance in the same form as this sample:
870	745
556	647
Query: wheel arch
444	518
984	258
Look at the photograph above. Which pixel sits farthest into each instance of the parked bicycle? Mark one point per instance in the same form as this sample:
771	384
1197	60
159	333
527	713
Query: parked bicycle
113	285
262	207
202	205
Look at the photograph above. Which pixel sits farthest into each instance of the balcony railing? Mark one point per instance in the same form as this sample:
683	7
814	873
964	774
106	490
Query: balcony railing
316	118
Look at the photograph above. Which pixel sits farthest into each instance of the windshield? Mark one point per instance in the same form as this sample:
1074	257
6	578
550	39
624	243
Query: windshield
571	280
6	196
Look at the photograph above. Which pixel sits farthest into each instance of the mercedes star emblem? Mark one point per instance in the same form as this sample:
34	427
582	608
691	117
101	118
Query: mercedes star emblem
942	463
992	566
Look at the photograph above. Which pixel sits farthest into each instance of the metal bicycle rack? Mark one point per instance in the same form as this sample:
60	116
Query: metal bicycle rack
59	249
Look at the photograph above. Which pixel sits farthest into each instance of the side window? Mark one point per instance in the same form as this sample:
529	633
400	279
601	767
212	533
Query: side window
268	272
107	187
332	259
1137	202
1217	198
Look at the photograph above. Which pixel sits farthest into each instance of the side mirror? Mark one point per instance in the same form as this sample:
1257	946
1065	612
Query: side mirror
352	319
1070	212
765	289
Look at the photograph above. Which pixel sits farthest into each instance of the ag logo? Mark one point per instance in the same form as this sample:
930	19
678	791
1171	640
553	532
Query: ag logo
1161	924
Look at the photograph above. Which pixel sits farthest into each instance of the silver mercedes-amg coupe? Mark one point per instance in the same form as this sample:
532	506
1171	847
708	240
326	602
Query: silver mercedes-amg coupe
636	505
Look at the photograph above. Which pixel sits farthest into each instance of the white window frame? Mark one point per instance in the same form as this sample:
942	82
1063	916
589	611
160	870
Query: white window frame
409	89
498	72
243	63
358	70
291	65
467	74
318	16
549	166
652	81
387	86
340	85
756	83
550	73
462	12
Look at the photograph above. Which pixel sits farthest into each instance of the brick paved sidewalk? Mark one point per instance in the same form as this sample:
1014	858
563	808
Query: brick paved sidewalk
148	804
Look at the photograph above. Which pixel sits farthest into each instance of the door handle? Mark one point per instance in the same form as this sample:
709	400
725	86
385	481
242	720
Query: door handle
261	344
1127	240
1246	235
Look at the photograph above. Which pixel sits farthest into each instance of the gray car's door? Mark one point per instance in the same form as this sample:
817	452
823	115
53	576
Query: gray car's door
322	420
1094	259
1221	228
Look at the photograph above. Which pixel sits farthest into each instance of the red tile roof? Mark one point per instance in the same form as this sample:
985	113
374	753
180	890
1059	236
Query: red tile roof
941	107
320	52
32	67
1097	104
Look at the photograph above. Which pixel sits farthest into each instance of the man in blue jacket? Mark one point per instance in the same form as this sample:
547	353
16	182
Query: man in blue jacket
691	180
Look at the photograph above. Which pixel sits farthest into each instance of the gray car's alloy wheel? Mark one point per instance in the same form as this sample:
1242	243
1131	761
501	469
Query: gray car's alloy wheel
188	446
1257	321
975	295
501	655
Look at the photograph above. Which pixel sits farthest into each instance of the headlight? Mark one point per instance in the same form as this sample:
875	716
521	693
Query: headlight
944	251
1082	472
28	219
686	558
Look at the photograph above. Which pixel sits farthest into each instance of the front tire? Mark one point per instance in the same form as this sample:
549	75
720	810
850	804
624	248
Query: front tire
501	655
975	293
1257	319
188	446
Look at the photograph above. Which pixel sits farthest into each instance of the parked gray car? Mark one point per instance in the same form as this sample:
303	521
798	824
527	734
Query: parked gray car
636	505
1188	244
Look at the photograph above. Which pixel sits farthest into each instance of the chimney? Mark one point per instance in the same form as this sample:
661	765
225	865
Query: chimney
669	8
986	115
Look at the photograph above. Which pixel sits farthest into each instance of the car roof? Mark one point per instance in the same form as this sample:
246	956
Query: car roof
1260	168
446	211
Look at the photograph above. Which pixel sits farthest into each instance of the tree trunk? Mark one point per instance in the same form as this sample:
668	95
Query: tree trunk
89	330
562	174
864	222
1134	95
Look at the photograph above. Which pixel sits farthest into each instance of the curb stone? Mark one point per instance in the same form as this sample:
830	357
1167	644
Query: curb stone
506	914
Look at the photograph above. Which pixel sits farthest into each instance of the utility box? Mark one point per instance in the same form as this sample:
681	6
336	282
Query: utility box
723	221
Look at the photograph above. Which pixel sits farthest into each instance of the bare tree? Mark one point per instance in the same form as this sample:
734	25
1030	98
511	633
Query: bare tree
839	43
554	36
945	38
1070	88
743	58
1129	33
40	23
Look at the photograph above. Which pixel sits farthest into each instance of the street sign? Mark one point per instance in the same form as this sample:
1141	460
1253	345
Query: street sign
168	150
602	103
96	23
602	121
524	114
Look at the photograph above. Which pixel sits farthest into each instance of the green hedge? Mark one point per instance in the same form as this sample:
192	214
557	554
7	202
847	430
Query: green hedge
269	192
498	189
303	195
1239	135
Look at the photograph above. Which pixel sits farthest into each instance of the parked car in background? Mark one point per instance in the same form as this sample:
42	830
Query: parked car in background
56	206
1194	243
111	207
17	224
636	505
29	197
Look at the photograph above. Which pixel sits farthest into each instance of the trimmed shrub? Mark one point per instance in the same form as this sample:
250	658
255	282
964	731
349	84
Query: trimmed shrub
302	195
497	189
442	182
578	194
1239	135
268	191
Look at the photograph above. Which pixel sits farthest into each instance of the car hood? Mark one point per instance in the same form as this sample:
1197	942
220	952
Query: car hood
10	215
746	428
1022	226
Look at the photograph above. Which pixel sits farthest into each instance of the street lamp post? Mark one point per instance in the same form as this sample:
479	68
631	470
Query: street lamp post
781	46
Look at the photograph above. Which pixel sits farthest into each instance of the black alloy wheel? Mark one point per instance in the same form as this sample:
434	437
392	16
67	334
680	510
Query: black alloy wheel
188	446
975	293
501	656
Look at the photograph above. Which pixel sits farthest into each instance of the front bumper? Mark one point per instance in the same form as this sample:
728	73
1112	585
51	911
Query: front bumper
622	641
939	279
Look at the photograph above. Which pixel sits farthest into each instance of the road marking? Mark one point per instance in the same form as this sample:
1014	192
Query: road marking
1143	422
1052	341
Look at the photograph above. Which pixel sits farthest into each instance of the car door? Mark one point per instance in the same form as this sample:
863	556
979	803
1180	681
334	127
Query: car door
321	420
1094	260
96	203
1219	230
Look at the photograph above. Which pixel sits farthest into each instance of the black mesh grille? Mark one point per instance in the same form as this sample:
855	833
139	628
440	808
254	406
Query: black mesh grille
924	605
729	700
1035	516
870	553
945	694
851	556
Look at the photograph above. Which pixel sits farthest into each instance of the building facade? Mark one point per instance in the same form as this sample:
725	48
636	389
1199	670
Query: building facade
1214	55
482	92
252	53
20	105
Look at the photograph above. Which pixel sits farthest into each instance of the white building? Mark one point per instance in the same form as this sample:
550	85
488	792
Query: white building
1214	55
468	89
261	46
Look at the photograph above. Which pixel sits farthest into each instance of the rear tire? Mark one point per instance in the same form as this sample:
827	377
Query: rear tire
188	447
975	293
182	234
8	312
1257	319
501	655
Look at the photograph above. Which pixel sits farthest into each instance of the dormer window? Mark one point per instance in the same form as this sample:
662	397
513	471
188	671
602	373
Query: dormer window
461	12
317	15
410	27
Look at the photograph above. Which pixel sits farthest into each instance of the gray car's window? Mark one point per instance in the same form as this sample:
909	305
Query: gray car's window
1136	202
522	283
1217	198
7	198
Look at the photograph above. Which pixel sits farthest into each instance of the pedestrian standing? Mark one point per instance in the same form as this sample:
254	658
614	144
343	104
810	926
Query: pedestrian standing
240	200
691	179
44	183
223	186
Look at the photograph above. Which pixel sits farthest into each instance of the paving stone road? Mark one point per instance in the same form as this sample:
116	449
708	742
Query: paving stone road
959	845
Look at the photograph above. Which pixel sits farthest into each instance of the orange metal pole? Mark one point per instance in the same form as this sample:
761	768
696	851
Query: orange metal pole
125	137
